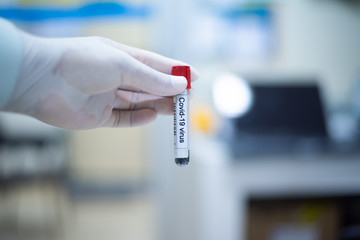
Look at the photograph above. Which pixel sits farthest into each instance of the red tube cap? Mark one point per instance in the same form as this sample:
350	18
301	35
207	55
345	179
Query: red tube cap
182	71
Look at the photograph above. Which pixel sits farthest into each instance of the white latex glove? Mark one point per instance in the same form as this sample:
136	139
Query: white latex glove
90	82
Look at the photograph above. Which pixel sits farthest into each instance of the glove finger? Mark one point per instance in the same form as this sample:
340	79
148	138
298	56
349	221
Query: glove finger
153	60
131	118
135	100
139	76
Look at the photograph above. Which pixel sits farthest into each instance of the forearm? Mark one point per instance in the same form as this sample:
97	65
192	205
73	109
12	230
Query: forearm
10	59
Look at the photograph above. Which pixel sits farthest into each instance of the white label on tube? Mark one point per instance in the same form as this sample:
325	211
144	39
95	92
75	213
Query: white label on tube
181	120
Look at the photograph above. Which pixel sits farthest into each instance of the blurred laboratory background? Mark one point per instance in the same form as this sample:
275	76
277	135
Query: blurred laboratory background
274	135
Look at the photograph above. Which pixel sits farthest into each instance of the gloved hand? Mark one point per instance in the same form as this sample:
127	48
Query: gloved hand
83	83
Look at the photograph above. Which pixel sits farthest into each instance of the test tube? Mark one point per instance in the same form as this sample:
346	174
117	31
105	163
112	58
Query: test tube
181	118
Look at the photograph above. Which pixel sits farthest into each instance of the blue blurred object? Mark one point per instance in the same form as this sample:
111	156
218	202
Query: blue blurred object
264	14
87	11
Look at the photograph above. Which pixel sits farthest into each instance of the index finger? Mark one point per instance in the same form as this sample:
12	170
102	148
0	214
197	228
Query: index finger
156	61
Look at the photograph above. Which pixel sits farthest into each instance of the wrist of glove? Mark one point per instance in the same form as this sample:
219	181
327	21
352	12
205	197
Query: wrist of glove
90	82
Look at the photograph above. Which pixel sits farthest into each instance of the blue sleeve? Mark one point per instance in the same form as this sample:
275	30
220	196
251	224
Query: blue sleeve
10	59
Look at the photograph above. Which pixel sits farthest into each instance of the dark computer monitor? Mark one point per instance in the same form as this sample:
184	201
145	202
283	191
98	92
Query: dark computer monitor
284	110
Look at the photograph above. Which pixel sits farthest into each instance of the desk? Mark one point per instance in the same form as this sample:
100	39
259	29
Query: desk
226	186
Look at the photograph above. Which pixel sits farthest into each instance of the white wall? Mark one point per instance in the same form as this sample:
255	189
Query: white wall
321	38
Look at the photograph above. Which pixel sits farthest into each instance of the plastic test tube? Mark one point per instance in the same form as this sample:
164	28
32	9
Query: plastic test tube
181	118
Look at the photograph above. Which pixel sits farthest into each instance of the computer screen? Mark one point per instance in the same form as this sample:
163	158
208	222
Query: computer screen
282	109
